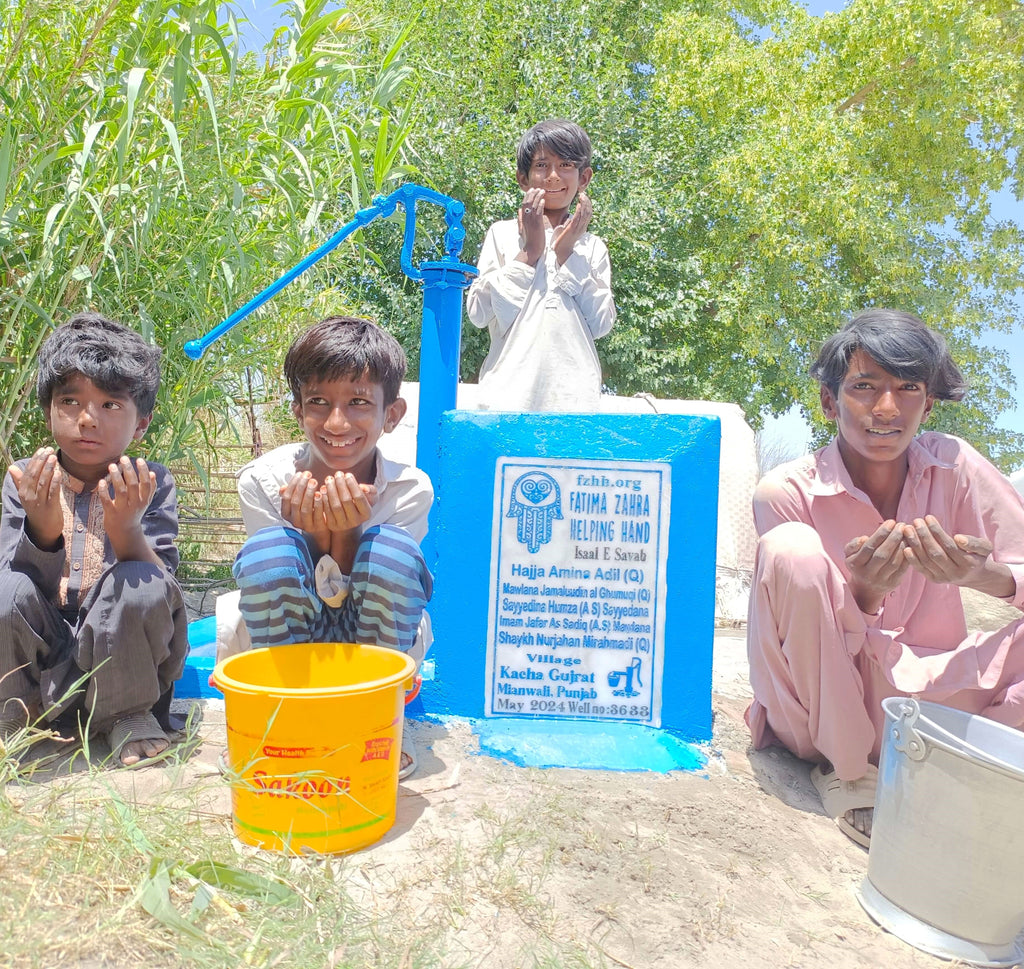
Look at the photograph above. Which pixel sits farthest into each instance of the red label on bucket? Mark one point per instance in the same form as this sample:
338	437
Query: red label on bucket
305	787
269	751
378	748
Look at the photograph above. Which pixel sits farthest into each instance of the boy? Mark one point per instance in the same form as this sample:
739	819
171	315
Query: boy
334	529
544	289
863	547
87	554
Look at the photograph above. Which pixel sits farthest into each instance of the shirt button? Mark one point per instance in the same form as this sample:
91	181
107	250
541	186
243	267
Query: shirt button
77	566
80	528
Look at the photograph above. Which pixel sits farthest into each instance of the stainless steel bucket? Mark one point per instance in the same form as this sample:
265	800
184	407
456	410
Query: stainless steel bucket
946	866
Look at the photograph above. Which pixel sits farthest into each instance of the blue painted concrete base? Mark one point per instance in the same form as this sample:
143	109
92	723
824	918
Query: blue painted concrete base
586	744
202	657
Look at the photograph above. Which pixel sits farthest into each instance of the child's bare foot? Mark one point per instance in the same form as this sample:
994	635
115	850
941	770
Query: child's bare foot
136	738
136	750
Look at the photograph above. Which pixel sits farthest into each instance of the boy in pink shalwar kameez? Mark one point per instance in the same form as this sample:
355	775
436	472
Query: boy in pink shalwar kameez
864	547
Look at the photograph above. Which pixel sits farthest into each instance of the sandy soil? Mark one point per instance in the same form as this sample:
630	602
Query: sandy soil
732	866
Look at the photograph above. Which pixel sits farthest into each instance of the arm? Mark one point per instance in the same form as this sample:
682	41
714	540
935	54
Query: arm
160	522
499	292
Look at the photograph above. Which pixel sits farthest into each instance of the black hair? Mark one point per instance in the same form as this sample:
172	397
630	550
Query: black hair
345	346
900	344
559	136
113	356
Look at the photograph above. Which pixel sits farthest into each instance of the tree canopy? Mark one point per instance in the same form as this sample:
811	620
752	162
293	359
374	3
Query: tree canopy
760	173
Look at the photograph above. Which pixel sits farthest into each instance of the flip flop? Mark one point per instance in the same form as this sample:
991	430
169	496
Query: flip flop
839	796
409	749
138	726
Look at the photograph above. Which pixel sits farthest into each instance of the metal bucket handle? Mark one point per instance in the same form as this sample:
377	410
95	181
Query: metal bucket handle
907	740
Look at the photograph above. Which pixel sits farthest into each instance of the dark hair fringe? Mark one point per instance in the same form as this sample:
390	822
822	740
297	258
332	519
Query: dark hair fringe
113	356
558	135
900	343
345	346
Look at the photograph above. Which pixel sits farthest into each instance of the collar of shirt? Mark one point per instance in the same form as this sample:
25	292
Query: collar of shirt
832	478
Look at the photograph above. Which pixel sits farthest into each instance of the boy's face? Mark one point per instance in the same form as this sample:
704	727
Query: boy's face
343	420
877	413
91	426
560	178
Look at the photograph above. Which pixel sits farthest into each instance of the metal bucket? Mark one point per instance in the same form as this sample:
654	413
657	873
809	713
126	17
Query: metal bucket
946	866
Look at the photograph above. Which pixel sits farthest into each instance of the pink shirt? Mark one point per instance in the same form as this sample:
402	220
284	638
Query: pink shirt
947	478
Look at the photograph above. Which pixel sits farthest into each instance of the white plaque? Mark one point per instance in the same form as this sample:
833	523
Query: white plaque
576	616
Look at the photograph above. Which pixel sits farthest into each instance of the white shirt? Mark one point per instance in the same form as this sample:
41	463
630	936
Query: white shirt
543	321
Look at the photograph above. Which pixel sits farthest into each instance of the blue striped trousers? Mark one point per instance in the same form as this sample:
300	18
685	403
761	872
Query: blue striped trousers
391	585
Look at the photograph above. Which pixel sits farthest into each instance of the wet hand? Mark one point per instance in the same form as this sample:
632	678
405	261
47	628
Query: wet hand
125	493
964	560
877	564
531	226
38	485
571	231
301	508
347	504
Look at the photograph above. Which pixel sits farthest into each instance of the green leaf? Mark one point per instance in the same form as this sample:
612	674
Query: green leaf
243	882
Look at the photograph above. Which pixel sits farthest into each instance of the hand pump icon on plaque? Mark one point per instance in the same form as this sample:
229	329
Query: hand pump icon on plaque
631	672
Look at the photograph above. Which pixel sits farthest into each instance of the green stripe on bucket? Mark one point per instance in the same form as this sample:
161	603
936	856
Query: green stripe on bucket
284	836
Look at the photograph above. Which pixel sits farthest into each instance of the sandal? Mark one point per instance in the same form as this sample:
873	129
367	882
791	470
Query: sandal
137	726
840	797
408	750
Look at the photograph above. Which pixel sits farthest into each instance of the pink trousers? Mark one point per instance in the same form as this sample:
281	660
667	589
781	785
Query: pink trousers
820	668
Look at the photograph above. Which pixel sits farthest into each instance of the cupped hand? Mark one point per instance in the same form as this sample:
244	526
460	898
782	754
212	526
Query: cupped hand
347	504
940	557
877	564
531	225
125	493
38	485
302	508
571	231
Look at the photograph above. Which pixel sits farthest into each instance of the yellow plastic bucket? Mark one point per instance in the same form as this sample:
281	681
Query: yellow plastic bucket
314	743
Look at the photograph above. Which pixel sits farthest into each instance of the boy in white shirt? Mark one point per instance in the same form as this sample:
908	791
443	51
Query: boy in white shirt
544	289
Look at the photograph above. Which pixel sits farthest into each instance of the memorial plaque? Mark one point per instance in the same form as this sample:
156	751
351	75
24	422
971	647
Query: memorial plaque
577	589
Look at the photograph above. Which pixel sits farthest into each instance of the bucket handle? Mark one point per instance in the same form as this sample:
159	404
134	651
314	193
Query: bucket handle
905	738
908	741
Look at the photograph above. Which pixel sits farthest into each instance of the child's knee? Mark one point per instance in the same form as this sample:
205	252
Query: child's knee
17	593
269	553
392	556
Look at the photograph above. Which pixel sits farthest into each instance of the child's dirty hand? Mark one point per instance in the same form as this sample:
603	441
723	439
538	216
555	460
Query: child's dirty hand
302	508
570	232
347	504
125	493
531	226
38	485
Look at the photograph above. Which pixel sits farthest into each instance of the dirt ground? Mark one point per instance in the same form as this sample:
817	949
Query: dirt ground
732	866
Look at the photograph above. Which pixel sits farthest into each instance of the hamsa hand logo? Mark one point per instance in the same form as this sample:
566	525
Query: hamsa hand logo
536	501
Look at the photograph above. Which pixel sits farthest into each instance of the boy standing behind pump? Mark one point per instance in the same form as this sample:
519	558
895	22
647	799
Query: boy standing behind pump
544	290
87	554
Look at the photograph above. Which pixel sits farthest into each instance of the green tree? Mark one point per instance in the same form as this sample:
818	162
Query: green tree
156	175
760	173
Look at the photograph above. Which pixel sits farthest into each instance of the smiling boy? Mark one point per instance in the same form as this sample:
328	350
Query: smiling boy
864	547
334	528
544	285
87	554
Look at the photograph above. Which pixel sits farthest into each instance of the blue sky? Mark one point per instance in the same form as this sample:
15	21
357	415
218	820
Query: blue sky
264	16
